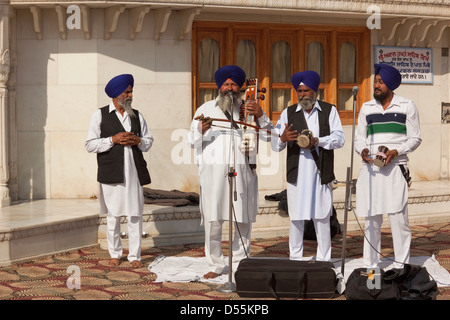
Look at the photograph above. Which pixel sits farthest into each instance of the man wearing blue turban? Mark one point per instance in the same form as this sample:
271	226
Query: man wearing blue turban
217	149
119	134
234	73
388	130
117	85
389	75
310	166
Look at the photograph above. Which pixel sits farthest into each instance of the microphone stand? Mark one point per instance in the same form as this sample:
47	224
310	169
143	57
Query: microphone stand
230	286
348	185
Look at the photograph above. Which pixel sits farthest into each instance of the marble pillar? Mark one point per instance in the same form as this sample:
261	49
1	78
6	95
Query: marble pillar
5	199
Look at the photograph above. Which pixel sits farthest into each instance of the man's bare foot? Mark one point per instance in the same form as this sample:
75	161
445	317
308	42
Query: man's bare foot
211	275
114	262
136	264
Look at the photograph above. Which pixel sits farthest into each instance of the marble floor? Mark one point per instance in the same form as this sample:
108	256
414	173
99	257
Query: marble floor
41	212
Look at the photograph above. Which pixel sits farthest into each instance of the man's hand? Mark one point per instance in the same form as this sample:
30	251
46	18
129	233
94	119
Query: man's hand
204	126
390	154
365	156
289	134
313	142
126	139
253	108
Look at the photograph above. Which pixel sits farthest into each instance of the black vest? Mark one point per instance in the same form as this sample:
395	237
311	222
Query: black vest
326	157
111	163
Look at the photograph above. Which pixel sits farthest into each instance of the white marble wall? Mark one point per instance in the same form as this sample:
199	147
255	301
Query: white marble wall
60	83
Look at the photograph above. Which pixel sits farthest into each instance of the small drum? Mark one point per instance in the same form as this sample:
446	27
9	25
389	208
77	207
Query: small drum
380	157
304	138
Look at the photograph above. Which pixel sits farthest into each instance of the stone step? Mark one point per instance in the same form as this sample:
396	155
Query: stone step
172	226
42	227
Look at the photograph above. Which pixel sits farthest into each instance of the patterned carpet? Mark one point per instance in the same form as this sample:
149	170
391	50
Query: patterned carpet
46	278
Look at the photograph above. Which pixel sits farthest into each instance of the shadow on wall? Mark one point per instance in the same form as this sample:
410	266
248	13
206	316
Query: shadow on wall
60	84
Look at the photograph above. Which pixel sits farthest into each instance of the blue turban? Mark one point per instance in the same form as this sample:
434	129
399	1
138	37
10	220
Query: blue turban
390	76
309	78
117	85
229	72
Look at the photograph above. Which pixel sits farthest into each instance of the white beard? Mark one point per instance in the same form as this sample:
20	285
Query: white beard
224	101
307	104
126	104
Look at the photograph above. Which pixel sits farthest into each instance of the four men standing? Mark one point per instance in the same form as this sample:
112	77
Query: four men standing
388	129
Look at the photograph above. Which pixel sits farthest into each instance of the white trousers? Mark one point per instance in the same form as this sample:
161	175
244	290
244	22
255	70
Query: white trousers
401	237
296	232
134	237
213	244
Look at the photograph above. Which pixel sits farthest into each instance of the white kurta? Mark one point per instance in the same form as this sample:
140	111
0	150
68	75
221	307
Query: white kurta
380	190
127	198
384	190
215	150
308	198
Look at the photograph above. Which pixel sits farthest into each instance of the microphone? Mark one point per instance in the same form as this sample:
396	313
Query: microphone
355	91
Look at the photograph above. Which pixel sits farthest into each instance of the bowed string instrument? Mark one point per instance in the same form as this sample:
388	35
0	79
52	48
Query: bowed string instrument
250	126
246	120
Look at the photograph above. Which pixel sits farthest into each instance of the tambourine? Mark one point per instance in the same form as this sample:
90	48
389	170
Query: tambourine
304	138
380	157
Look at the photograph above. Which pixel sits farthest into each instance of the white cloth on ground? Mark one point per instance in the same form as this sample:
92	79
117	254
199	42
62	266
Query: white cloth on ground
213	244
187	269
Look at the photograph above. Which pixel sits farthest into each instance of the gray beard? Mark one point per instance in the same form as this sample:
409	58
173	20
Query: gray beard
307	104
126	105
224	101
